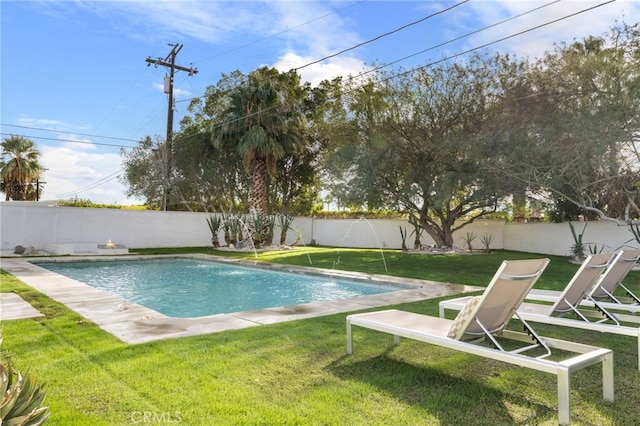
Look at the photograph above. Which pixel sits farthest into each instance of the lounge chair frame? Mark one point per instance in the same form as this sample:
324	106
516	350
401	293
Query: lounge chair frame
587	355
434	330
610	279
545	314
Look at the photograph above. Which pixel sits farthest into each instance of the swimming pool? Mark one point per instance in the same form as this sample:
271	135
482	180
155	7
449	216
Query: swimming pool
188	288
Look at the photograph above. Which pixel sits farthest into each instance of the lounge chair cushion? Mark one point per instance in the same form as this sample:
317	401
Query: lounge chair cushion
464	316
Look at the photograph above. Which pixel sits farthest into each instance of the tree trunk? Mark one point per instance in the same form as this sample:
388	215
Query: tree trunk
18	191
258	199
442	235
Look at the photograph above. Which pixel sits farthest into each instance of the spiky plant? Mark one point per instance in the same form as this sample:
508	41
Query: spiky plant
468	240
403	235
22	398
214	222
284	220
578	247
486	242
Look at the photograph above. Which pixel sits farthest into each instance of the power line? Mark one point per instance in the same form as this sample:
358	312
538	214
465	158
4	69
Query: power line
401	59
121	99
500	40
282	32
69	140
92	185
152	115
448	57
439	61
170	62
403	27
382	35
68	133
457	38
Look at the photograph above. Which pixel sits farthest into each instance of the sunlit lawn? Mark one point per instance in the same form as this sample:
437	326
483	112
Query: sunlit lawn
298	372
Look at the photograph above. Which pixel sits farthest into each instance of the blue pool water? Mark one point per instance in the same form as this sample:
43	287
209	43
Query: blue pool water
186	288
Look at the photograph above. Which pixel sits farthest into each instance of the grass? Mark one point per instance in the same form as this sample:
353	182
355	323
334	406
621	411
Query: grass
298	372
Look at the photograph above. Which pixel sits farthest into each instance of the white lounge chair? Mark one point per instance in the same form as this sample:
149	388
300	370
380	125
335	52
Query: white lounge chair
485	317
597	318
612	279
607	284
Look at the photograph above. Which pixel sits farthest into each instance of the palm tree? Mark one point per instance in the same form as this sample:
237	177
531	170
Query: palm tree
263	123
19	166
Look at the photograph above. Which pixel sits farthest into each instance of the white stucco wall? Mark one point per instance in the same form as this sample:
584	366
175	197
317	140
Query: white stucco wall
37	224
556	238
384	233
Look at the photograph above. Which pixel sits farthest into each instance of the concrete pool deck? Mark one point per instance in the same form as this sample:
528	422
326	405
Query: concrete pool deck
133	323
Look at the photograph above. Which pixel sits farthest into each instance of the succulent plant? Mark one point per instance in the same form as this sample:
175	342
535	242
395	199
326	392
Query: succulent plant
21	398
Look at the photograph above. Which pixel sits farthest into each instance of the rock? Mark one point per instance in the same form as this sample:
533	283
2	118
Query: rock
19	249
30	251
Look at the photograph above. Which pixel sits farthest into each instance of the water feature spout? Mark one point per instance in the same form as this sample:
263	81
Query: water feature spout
373	231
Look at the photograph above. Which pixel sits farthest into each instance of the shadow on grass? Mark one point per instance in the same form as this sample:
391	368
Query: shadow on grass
453	400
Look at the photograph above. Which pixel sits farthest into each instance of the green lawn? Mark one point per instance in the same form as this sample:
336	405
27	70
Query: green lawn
298	372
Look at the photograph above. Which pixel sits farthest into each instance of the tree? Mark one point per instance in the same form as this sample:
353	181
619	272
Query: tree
332	135
19	166
145	171
295	184
359	157
576	120
263	123
421	139
207	178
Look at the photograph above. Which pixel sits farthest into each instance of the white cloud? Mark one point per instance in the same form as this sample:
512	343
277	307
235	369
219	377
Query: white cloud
288	34
47	123
209	21
177	92
316	73
52	129
535	43
307	29
72	141
313	28
87	175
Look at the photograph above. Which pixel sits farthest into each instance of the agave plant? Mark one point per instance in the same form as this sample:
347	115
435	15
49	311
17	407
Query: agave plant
578	247
468	240
635	230
486	242
214	222
403	236
299	237
22	398
269	230
417	231
258	224
284	220
232	225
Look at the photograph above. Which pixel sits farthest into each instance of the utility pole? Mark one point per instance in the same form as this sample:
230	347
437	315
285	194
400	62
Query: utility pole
170	62
38	182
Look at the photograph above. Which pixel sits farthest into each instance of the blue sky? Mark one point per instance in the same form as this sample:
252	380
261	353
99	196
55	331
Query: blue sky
75	81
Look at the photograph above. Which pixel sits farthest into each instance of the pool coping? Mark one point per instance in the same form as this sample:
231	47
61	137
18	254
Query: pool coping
133	323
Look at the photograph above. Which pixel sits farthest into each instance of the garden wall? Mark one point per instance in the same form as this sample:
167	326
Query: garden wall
37	224
40	224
